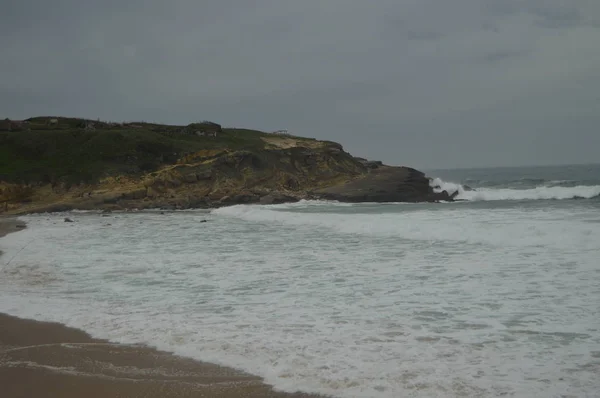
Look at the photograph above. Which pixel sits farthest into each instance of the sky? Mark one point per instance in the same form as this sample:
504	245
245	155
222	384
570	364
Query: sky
422	83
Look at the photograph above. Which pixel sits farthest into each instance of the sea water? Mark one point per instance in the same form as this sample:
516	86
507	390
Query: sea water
497	295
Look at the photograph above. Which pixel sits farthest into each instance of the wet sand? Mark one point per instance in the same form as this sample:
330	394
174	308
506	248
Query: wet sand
8	225
42	359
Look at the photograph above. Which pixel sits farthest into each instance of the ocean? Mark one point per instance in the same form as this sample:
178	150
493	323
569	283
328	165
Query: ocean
494	295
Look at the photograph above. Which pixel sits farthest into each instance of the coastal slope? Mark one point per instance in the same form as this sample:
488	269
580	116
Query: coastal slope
55	164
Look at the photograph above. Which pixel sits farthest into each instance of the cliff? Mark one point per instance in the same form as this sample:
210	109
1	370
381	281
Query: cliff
53	164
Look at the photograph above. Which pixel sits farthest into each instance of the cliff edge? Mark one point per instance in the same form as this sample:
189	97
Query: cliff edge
56	164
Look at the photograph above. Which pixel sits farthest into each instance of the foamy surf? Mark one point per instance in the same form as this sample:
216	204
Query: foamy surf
544	192
413	224
349	300
485	297
540	193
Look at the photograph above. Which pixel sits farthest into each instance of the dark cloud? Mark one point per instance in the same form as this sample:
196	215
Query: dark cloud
428	83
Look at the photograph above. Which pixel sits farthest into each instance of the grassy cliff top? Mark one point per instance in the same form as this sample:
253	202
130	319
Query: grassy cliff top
71	150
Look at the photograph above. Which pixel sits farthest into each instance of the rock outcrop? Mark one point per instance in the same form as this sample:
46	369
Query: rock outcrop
127	166
385	184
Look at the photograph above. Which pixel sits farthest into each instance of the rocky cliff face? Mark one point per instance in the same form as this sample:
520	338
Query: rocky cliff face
189	167
385	184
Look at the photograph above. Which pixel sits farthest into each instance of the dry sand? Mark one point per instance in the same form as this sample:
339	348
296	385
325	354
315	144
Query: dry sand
41	359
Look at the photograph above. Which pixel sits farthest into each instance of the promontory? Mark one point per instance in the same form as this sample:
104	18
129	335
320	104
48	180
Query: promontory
56	164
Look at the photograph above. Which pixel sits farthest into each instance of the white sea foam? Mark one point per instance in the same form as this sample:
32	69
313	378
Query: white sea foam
537	193
348	300
544	192
440	185
469	226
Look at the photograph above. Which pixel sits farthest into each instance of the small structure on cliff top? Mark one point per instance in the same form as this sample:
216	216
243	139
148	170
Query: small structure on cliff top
281	132
201	133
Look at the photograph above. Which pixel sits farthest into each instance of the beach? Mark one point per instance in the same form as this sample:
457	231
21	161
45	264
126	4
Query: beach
8	225
488	297
42	359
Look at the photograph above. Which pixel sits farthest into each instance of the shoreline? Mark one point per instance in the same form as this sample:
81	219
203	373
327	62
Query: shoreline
52	360
10	224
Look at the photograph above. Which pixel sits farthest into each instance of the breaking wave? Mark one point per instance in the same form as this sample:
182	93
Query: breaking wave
539	193
554	190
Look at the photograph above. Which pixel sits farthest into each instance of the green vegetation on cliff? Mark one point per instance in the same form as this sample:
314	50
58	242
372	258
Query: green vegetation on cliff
49	164
74	151
57	164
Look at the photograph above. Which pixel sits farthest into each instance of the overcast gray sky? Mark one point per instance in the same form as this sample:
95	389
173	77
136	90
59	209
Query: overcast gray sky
425	83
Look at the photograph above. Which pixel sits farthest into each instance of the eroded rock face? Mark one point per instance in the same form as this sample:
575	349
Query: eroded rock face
277	198
223	177
370	164
386	184
243	198
136	194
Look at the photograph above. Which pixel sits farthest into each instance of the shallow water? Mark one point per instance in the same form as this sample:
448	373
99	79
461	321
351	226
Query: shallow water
481	298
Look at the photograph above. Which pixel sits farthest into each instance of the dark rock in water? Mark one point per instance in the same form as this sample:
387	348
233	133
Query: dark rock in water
203	220
444	196
67	219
